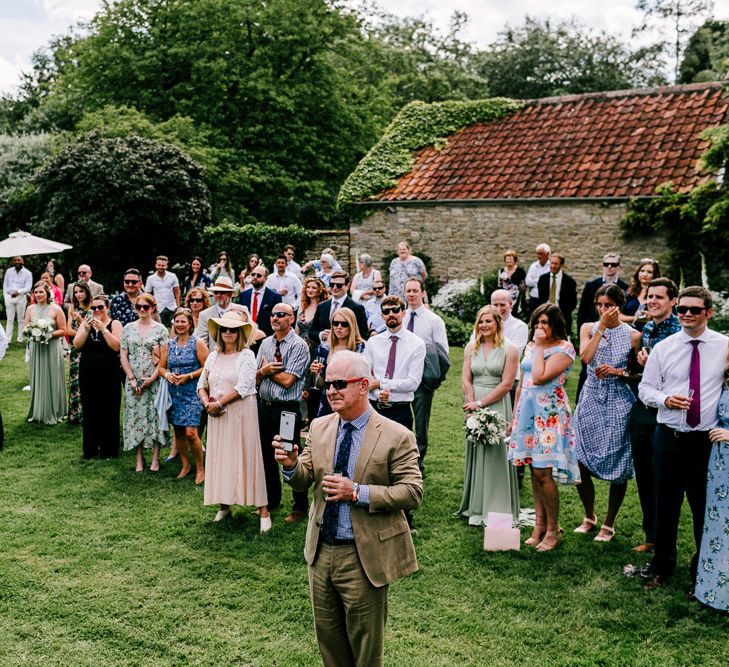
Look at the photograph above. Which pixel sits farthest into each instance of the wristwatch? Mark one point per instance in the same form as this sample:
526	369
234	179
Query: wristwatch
355	492
626	374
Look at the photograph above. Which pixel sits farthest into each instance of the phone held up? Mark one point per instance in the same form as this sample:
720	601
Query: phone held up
287	429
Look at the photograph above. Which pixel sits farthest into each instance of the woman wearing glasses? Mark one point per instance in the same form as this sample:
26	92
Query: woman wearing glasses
141	343
344	336
234	473
635	311
222	268
197	300
181	365
98	340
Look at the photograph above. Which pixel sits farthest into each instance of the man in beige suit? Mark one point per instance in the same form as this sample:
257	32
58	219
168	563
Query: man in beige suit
364	469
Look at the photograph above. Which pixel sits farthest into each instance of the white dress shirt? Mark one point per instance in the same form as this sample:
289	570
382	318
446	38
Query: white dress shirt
290	283
667	374
17	281
517	333
535	272
3	342
409	362
163	290
373	310
428	326
293	267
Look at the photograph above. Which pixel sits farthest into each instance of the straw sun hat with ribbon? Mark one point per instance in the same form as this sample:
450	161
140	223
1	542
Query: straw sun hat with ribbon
232	320
222	284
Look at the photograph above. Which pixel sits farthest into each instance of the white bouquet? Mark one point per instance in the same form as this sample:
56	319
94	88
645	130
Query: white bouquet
38	331
485	427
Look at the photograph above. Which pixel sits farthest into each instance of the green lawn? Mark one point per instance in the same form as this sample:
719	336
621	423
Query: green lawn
101	566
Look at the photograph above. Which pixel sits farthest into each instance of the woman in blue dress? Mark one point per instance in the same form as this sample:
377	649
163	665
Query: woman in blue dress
542	436
712	579
602	417
181	363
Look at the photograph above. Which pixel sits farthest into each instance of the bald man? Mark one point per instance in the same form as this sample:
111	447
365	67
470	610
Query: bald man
84	276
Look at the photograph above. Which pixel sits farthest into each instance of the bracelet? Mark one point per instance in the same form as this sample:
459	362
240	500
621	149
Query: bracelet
600	331
355	492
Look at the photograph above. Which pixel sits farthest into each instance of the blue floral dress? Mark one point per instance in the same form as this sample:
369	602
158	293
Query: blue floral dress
186	405
712	580
542	433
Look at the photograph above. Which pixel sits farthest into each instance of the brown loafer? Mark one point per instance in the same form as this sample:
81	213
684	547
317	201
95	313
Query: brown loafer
296	515
654	582
644	548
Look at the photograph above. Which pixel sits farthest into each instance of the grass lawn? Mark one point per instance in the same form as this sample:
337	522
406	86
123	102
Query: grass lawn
101	566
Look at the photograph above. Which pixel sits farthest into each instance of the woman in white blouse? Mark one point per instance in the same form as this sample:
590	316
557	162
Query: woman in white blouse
234	472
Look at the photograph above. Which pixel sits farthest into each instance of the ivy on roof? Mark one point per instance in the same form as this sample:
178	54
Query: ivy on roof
417	126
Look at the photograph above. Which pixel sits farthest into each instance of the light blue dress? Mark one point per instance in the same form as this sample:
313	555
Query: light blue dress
712	579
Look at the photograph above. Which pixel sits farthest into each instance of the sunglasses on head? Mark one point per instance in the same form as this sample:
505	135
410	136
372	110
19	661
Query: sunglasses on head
337	323
196	299
694	310
337	285
228	330
142	306
391	310
340	384
131	282
280	313
97	308
612	265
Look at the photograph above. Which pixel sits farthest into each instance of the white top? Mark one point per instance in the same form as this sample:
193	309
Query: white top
17	281
3	342
373	310
535	272
246	369
162	289
428	326
409	362
667	373
517	332
290	283
293	267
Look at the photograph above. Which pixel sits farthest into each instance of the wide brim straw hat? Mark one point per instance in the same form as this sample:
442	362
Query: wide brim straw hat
222	284
232	320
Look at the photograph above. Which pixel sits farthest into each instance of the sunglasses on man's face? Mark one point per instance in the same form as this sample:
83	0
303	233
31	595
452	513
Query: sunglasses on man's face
694	310
280	313
337	285
340	384
378	287
611	265
393	310
82	273
131	282
142	306
345	325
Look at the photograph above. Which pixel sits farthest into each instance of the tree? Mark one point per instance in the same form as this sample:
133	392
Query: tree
122	200
542	59
706	57
676	17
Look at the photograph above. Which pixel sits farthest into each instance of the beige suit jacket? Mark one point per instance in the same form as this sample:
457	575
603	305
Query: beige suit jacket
388	463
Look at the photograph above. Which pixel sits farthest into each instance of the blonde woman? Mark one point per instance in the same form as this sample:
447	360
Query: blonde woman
489	369
344	336
234	473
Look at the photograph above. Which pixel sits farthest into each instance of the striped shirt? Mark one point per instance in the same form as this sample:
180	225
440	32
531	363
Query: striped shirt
295	358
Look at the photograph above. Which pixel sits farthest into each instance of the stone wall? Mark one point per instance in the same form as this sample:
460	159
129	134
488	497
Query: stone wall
464	241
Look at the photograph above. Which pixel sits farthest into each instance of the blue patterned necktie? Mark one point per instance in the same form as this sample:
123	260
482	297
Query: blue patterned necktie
330	519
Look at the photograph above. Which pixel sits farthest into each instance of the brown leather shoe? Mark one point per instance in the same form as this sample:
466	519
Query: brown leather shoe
654	582
644	548
296	515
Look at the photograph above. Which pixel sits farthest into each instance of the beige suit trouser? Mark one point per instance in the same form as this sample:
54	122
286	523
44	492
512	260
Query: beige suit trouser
349	612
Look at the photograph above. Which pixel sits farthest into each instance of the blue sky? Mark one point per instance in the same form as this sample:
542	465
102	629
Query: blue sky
27	25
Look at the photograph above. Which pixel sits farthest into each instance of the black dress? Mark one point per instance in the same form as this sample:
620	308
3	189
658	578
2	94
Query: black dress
100	396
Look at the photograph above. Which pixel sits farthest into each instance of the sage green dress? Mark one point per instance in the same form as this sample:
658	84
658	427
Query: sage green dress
48	402
490	482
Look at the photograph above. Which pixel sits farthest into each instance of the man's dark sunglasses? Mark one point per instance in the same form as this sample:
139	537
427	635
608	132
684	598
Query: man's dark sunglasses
611	265
131	282
280	313
340	384
392	310
337	285
694	310
378	287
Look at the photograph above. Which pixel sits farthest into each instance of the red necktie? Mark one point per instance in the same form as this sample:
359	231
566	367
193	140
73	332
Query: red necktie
254	314
390	370
693	416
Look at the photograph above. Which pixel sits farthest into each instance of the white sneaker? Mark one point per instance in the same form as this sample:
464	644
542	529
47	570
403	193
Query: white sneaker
266	524
222	514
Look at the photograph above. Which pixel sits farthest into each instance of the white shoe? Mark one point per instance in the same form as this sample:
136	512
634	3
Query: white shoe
222	514
266	524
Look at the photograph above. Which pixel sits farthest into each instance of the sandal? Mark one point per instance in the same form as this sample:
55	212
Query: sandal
606	534
544	546
536	537
587	526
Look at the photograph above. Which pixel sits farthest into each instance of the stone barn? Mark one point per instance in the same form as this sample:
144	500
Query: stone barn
559	170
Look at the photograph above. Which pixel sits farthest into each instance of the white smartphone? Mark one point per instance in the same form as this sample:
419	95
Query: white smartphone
286	430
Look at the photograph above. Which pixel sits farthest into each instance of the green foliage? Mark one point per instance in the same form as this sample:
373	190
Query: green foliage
458	331
706	57
122	200
418	125
267	241
544	58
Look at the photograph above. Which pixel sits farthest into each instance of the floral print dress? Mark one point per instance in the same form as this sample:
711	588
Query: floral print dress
542	433
712	580
75	413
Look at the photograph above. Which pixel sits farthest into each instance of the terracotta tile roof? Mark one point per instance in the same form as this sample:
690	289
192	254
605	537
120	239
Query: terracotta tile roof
615	144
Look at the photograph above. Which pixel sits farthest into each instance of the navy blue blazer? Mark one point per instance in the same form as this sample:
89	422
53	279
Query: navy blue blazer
265	306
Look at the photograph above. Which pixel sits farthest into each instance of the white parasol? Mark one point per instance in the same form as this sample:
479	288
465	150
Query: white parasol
23	243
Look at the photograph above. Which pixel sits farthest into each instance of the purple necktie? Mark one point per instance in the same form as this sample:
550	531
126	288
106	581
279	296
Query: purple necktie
411	322
390	370
693	416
